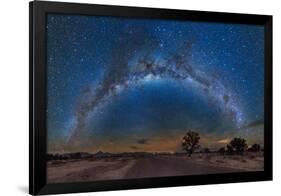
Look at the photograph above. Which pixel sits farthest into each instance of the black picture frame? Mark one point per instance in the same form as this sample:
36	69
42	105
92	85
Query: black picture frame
37	100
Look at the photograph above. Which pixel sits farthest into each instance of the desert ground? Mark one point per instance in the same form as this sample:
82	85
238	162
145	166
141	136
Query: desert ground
109	168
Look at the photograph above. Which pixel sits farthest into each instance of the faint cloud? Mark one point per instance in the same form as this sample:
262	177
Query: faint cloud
142	141
224	141
134	147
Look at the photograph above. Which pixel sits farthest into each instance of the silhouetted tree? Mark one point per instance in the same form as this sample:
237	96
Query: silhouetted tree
255	148
239	145
229	150
77	155
190	142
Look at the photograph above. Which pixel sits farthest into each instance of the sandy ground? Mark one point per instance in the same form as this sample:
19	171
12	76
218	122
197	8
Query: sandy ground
97	169
250	162
88	170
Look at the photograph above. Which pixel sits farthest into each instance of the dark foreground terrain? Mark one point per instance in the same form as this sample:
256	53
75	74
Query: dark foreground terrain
108	168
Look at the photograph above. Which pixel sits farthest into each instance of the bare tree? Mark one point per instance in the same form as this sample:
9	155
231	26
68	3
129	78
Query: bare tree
190	142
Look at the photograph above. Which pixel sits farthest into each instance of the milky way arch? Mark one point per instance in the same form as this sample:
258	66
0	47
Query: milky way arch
149	67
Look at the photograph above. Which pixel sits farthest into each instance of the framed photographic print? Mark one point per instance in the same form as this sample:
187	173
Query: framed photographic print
126	97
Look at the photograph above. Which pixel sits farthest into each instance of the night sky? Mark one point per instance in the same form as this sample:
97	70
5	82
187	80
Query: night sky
123	84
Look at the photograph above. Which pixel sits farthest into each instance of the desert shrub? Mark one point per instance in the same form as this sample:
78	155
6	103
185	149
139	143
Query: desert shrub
206	150
222	151
255	148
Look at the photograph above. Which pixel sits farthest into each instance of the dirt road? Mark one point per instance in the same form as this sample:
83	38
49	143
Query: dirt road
129	168
165	166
